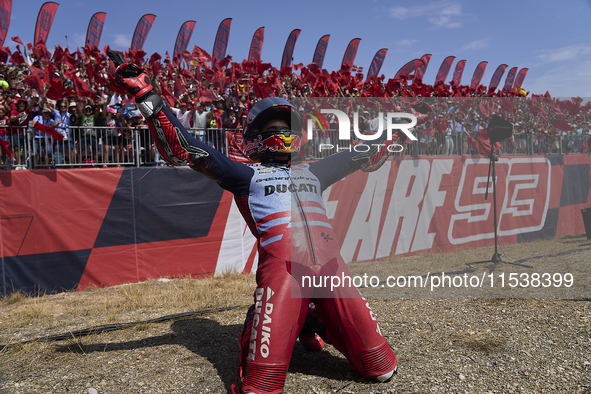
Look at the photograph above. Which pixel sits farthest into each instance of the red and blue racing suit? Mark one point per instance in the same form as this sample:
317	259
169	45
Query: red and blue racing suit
282	205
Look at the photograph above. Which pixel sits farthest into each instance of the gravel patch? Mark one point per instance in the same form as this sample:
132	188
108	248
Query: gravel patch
444	345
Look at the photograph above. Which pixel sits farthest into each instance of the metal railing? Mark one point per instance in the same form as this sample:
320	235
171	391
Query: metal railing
85	146
96	146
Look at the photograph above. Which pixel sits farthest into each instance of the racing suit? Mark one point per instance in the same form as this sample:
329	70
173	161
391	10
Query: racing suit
282	205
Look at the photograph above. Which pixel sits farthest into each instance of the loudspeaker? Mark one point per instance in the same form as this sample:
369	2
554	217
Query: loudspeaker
499	129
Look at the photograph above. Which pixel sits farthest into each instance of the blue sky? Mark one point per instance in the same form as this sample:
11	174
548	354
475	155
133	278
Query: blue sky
552	39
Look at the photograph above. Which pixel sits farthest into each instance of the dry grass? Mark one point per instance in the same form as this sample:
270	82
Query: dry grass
122	303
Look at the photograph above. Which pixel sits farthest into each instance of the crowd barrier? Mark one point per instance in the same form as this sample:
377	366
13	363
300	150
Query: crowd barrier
93	147
111	147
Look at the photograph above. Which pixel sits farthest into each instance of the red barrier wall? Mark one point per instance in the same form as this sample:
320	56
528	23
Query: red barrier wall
65	229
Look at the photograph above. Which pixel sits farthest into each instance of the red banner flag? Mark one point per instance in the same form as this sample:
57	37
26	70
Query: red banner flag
141	31
82	88
200	54
376	63
457	78
5	11
420	72
289	46
496	78
17	58
478	73
520	77
36	79
182	39
221	39
320	50
510	78
48	130
4	54
444	69
18	40
408	69
256	45
4	145
95	29
563	125
350	53
44	21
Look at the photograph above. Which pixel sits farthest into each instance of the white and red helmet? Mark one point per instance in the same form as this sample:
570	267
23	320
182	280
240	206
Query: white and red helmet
264	146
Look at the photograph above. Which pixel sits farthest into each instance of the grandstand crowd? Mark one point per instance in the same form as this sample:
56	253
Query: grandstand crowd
73	93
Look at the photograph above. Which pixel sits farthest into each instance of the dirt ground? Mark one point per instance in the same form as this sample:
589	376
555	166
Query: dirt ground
530	338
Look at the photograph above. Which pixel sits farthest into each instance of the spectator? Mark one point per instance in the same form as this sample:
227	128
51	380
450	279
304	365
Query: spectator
4	131
65	119
184	114
19	119
201	119
113	144
42	141
87	117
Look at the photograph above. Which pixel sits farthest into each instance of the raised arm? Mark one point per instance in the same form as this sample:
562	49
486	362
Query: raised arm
175	144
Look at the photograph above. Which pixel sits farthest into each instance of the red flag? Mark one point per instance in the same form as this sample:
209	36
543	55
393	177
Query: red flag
155	58
457	78
200	54
5	11
496	78
563	125
506	104
4	145
320	50
40	51
350	53
486	109
141	31
478	73
520	77
482	142
58	55
44	21
17	58
167	95
206	96
17	40
444	70
4	54
406	70
57	90
183	38
81	87
510	78
221	39
256	45
420	72
48	130
95	29
289	47
376	63
36	79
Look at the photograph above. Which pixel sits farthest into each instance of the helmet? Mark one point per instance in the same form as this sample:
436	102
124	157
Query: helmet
264	146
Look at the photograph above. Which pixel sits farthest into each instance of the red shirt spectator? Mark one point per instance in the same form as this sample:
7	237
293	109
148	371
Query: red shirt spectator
20	117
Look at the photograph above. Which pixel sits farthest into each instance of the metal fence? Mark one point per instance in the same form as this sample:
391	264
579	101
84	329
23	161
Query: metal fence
86	146
107	146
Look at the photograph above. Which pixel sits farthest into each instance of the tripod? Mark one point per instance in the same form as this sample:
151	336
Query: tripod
495	259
